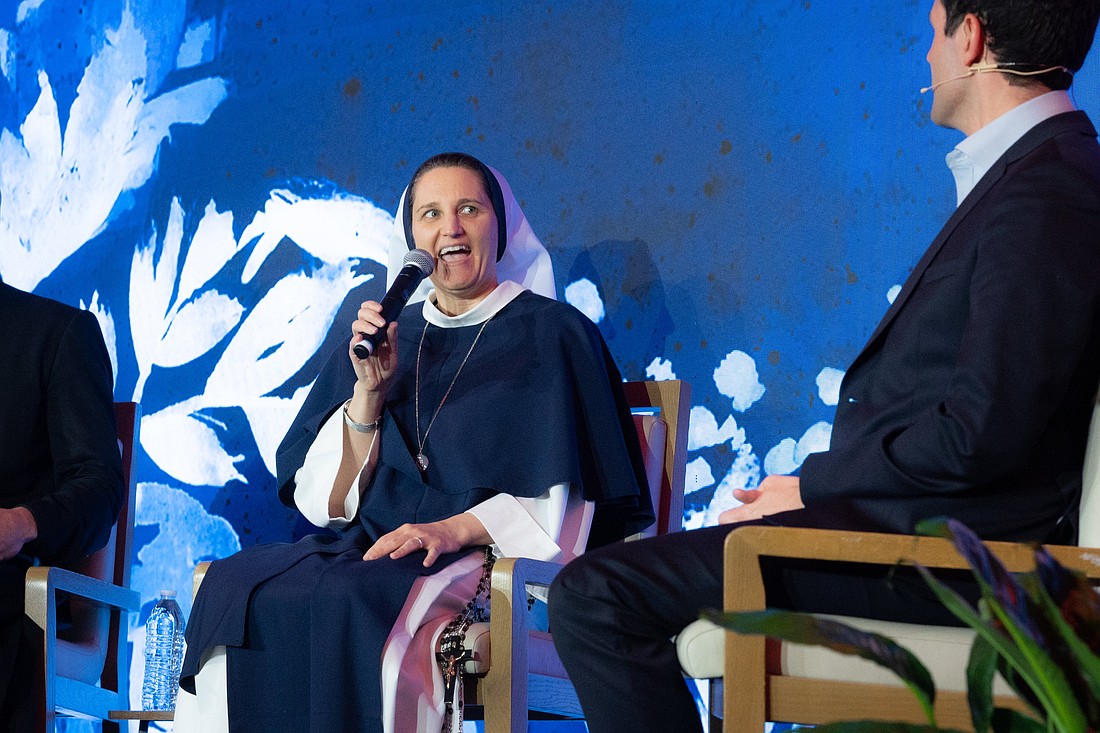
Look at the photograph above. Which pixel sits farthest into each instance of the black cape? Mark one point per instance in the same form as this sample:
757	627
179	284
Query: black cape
539	402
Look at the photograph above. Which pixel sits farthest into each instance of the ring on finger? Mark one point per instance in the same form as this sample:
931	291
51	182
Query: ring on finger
419	542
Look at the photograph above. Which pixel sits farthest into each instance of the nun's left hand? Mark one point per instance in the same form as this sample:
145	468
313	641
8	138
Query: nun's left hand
435	539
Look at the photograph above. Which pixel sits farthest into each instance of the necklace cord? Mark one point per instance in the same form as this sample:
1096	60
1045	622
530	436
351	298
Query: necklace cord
421	459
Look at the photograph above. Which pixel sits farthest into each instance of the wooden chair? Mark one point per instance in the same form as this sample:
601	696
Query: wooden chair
766	680
525	673
86	667
822	686
522	671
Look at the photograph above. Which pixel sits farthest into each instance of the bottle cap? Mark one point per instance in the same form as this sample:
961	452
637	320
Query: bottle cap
167	594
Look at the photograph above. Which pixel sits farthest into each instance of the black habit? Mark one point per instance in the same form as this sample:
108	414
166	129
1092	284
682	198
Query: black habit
538	403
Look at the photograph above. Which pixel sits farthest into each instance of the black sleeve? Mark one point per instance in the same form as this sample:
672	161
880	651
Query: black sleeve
75	519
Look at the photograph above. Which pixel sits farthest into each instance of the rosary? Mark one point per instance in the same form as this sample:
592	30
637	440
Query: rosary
453	654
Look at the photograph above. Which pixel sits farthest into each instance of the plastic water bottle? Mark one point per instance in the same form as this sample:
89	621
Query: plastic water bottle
163	654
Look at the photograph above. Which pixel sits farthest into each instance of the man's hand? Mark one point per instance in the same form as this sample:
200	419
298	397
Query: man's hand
17	528
776	494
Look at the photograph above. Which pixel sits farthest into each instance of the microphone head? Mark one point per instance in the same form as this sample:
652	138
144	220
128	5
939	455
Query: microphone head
421	260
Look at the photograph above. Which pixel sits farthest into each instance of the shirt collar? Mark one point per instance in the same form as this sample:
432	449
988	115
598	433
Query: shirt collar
489	306
973	157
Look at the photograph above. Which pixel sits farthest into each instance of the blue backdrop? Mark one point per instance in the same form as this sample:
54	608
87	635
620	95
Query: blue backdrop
733	191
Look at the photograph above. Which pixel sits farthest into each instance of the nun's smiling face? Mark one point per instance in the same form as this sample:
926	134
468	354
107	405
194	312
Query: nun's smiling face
453	220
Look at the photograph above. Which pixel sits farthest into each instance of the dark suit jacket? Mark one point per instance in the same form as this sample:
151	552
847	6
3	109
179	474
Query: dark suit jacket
59	453
972	398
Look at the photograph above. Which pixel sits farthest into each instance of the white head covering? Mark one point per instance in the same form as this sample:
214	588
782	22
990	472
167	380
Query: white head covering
525	260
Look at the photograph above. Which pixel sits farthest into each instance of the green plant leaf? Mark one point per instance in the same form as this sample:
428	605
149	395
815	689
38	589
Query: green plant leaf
1034	666
1083	663
801	628
1060	703
993	578
1013	721
1074	596
981	667
1016	626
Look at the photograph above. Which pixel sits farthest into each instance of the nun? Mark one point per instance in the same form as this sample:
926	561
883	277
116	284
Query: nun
489	421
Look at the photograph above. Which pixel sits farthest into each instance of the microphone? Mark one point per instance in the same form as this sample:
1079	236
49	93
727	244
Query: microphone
925	90
984	68
416	266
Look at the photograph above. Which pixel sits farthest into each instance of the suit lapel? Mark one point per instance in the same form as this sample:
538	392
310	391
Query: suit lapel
1036	136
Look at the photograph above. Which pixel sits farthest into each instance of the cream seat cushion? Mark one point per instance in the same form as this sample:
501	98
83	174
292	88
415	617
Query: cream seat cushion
943	650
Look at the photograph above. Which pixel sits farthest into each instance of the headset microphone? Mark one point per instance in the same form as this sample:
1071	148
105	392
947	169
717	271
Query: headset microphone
1000	68
925	90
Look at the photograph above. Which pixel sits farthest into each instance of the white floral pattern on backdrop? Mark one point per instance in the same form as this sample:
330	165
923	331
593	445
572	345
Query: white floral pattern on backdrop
59	191
191	172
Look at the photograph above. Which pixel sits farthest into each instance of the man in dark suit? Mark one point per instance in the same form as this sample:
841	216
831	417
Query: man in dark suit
971	399
61	482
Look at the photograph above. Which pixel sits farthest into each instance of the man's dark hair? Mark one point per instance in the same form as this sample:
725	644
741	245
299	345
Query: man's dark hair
1032	34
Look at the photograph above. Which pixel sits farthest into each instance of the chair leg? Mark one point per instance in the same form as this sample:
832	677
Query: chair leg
32	650
714	706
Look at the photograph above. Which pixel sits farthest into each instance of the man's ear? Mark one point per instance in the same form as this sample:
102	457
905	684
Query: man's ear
972	41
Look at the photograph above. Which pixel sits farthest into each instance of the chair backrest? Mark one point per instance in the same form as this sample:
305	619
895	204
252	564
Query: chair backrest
1089	517
652	433
523	668
93	625
668	400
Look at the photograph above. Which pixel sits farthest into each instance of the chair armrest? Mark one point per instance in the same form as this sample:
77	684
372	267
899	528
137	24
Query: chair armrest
744	588
745	546
744	584
521	571
508	599
197	577
42	580
42	584
506	682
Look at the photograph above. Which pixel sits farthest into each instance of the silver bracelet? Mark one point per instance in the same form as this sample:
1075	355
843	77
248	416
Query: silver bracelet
360	427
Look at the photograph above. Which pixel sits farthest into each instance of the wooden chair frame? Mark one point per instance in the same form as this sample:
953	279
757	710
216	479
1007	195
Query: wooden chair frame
70	696
510	689
761	695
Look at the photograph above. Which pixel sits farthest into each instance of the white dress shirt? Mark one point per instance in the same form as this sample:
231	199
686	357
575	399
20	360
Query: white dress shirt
973	157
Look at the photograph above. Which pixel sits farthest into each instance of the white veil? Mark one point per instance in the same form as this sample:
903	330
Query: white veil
525	260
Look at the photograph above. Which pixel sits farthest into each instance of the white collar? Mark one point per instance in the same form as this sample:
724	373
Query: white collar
487	307
973	157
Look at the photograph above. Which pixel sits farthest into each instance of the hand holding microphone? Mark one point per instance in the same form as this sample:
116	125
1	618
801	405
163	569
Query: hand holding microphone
416	266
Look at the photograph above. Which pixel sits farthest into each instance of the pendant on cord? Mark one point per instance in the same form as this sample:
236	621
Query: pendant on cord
421	459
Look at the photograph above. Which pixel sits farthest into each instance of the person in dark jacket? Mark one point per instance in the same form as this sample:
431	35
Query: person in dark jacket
971	399
61	485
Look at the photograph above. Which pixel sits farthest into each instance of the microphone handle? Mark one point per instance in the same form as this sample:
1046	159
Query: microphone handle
392	304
